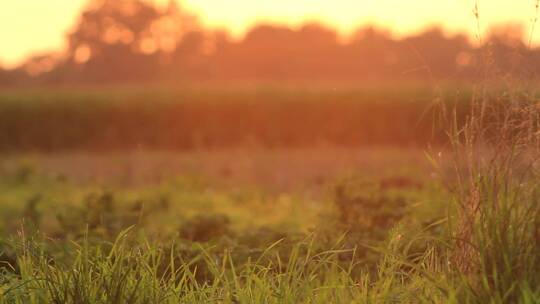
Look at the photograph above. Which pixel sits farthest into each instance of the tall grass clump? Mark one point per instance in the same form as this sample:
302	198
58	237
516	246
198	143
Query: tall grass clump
497	236
495	150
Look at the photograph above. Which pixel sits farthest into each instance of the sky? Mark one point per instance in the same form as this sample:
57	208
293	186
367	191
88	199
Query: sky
30	27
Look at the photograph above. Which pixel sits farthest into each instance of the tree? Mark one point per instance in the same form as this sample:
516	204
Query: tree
125	40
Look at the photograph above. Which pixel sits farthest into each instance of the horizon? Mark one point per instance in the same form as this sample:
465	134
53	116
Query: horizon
341	16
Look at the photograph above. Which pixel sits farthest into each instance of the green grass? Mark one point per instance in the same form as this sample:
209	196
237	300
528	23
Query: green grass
184	240
367	241
192	241
469	235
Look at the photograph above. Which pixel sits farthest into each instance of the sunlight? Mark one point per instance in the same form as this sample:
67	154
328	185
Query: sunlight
42	25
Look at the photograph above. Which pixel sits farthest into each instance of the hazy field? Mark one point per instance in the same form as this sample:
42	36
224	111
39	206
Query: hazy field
194	117
261	195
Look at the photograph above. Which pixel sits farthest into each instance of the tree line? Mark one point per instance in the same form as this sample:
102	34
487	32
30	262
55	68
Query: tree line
135	42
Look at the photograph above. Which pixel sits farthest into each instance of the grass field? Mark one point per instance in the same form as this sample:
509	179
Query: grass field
236	206
194	117
102	201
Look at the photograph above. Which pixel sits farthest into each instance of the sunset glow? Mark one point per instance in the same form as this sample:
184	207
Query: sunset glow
34	26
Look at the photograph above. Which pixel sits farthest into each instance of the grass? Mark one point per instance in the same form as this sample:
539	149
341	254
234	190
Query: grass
191	244
201	117
372	239
469	236
162	277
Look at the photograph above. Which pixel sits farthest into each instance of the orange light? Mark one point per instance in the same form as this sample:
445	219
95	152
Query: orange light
82	54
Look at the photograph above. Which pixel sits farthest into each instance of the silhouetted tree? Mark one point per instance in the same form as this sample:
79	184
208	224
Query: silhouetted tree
135	41
506	52
433	55
373	54
124	41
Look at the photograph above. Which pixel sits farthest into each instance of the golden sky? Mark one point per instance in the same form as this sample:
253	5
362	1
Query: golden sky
32	26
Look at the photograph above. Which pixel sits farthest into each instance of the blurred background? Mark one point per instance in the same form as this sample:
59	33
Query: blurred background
133	74
279	97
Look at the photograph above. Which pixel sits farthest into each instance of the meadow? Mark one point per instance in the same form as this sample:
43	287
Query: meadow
269	195
217	116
